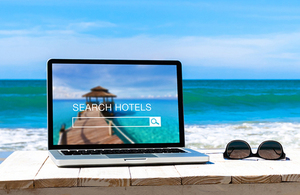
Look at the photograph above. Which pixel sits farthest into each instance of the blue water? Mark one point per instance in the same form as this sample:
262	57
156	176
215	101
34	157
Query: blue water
23	104
233	101
166	109
215	112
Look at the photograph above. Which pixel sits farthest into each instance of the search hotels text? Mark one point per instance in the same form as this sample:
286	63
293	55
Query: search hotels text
107	107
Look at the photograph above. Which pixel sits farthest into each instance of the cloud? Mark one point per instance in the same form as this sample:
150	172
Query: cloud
88	25
252	52
275	16
66	93
57	28
15	32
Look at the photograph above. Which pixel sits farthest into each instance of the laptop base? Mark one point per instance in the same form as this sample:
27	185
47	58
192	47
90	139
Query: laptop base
190	156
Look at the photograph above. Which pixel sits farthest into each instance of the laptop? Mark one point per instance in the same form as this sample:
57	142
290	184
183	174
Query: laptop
116	112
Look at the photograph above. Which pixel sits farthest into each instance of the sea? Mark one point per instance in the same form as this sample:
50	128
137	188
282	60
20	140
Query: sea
215	112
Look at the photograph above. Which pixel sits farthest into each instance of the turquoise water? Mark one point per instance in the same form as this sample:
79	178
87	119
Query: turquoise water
231	101
166	109
215	111
23	104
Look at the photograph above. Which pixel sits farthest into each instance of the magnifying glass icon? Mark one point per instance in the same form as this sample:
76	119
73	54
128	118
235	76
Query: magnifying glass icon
154	121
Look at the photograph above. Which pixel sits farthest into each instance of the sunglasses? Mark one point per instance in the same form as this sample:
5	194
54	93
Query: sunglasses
239	149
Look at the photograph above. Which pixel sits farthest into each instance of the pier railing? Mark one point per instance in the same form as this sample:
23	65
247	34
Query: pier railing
63	135
112	124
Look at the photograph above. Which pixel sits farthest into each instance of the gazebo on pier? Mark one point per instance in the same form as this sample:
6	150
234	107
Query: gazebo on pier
100	92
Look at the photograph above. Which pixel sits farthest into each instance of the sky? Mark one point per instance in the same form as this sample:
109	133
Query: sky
125	81
213	39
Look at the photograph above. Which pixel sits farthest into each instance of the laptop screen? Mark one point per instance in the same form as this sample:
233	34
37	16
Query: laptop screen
109	103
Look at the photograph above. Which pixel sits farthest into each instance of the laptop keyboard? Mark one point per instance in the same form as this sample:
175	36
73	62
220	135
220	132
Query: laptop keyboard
122	151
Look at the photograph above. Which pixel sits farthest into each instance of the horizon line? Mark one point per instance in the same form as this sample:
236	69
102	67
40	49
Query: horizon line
182	79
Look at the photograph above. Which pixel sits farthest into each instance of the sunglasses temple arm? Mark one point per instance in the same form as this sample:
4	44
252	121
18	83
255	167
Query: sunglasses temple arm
229	153
277	152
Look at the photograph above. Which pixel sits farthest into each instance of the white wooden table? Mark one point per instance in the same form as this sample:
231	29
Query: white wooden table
26	172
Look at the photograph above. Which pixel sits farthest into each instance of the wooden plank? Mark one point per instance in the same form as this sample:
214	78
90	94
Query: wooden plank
289	170
215	155
204	174
104	176
154	176
20	168
293	154
243	171
52	176
290	188
275	171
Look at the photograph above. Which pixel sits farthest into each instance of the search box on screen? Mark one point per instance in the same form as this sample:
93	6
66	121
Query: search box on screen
95	122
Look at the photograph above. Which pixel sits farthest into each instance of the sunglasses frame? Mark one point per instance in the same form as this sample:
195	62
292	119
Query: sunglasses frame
226	156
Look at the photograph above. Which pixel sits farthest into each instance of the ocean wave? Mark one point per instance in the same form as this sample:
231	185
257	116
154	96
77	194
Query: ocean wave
23	95
246	99
196	136
217	136
23	139
249	93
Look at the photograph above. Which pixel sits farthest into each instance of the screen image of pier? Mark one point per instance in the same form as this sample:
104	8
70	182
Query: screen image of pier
114	104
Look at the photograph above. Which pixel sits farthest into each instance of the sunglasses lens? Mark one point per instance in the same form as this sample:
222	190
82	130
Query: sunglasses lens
270	150
238	150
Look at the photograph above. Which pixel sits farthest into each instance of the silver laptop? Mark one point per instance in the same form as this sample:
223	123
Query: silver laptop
116	112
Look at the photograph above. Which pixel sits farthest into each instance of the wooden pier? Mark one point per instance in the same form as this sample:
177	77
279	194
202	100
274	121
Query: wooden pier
89	131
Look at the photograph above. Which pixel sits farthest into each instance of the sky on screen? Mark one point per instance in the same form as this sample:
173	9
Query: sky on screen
125	81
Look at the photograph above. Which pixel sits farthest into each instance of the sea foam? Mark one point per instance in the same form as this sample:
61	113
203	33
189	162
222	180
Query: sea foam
196	136
23	139
217	136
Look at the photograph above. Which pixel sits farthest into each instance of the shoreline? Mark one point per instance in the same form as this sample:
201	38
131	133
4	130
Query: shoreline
210	136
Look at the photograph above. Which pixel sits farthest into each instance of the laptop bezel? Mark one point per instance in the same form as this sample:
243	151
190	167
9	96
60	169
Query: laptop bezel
50	62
